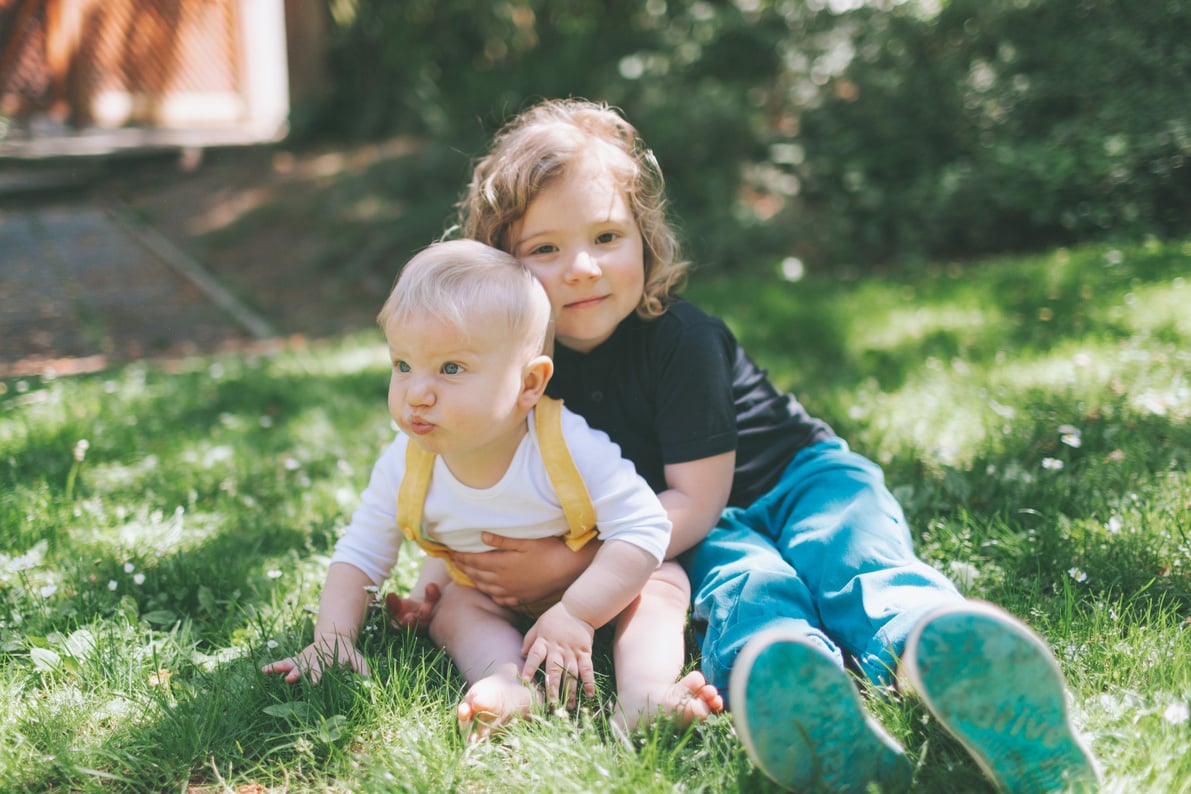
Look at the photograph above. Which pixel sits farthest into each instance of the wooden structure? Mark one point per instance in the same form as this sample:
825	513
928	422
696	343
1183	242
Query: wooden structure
213	69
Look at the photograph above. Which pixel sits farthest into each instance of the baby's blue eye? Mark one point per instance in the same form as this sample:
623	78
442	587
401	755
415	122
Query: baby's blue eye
401	366
451	368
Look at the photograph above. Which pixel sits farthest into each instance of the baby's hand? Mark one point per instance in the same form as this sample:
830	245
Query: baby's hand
561	643
318	656
412	612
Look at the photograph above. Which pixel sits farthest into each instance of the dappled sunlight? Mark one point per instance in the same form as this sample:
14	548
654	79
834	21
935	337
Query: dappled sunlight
951	412
141	531
339	162
1153	380
1172	399
1160	308
231	207
291	174
373	209
914	322
315	435
352	355
1090	365
113	476
942	421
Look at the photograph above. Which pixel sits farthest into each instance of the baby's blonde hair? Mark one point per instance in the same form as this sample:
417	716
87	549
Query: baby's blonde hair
465	283
548	141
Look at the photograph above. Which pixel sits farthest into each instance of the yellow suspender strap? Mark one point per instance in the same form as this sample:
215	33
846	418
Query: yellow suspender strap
564	476
419	466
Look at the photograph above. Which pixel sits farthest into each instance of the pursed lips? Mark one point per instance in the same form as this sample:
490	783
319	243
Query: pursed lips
419	425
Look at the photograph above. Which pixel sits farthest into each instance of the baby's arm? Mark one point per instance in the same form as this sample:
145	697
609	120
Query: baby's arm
416	609
561	638
340	613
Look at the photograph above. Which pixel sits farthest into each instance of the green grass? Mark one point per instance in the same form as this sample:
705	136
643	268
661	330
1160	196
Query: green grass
1031	414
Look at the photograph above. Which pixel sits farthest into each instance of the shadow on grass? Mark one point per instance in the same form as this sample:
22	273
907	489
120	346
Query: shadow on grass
190	488
228	721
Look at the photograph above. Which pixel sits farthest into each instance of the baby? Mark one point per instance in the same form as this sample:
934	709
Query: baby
480	449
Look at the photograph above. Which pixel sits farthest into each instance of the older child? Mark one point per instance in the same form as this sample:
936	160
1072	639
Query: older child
467	327
810	568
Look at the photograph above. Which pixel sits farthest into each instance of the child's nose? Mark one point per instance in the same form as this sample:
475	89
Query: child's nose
583	265
420	392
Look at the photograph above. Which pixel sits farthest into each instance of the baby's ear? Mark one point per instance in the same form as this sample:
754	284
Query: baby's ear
534	378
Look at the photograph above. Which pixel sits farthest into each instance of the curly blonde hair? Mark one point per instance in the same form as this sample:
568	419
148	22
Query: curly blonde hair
541	145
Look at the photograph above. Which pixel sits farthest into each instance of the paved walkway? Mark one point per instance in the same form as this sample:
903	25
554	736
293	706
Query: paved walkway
83	287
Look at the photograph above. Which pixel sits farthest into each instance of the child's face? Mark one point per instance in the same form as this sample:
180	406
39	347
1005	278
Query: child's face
579	237
458	392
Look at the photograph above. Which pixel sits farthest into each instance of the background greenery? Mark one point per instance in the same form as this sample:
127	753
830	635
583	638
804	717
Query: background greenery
166	529
838	132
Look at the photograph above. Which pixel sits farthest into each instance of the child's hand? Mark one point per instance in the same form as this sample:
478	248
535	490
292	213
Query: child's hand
413	612
561	643
519	571
318	656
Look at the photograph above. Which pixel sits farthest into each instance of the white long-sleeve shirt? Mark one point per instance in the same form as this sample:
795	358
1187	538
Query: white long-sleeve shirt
522	505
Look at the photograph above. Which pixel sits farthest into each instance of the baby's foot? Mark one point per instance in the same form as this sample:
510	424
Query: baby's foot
492	702
691	699
688	700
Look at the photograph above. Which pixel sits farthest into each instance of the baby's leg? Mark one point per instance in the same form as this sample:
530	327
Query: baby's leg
648	652
484	643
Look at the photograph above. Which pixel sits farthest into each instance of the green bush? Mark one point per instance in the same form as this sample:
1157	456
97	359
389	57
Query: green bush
692	76
881	134
1002	124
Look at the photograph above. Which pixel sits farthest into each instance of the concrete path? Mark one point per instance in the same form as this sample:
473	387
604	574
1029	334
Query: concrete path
83	287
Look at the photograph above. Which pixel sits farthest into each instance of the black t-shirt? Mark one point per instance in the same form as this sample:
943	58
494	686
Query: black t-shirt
679	388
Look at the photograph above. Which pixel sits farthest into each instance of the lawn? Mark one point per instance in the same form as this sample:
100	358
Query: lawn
164	529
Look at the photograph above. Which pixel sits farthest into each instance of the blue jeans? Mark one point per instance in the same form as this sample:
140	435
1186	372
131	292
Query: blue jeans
826	554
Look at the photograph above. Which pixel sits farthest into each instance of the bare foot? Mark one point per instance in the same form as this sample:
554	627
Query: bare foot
688	700
691	699
492	702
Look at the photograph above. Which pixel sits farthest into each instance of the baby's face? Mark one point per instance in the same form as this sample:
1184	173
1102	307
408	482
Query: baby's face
455	390
580	238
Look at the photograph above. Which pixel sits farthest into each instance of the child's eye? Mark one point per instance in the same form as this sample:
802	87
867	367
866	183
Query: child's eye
606	237
401	366
544	249
451	368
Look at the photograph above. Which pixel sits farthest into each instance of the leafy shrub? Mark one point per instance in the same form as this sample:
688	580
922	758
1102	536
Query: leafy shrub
1002	124
886	133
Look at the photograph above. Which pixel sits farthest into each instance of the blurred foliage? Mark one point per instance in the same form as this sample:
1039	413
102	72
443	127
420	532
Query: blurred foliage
1002	124
884	133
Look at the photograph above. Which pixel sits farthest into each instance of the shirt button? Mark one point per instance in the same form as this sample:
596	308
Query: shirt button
597	396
